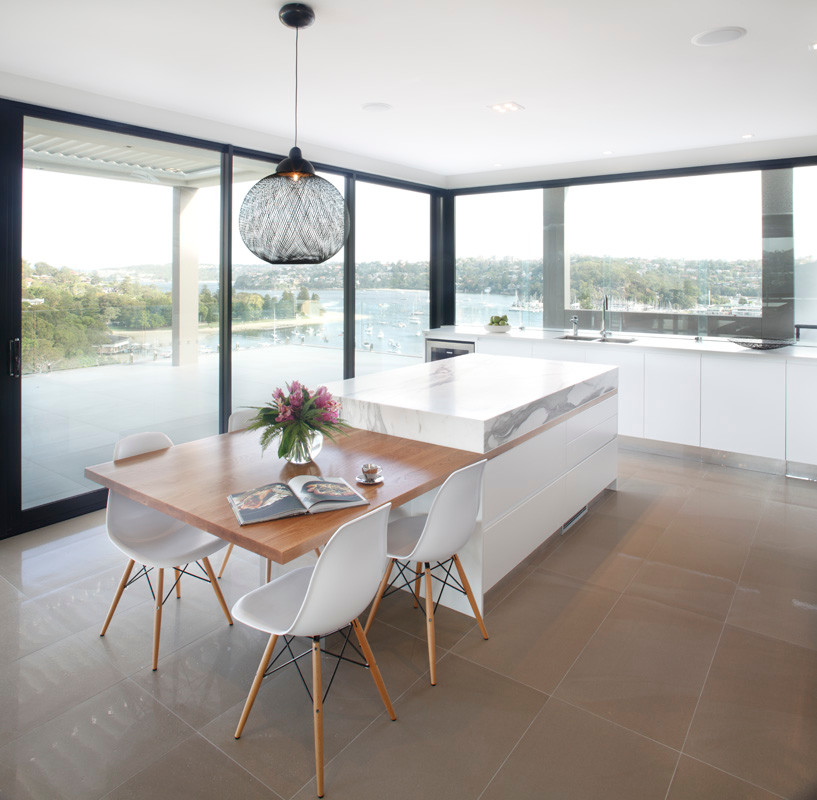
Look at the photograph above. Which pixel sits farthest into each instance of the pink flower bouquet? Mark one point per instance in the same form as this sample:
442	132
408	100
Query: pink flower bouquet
296	418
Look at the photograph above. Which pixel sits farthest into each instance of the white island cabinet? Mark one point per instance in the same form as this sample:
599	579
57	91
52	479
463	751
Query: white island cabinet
547	428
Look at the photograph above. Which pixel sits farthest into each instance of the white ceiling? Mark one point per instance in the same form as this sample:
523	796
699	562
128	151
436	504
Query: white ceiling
593	75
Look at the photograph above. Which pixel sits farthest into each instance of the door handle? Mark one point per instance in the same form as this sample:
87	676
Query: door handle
15	359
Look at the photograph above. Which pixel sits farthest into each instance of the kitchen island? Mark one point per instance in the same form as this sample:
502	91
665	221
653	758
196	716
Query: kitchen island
547	428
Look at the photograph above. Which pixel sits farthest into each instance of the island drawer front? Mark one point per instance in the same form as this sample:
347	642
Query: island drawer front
513	537
590	431
591	477
520	472
581	423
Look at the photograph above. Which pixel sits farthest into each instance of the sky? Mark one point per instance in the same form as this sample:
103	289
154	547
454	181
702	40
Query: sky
96	223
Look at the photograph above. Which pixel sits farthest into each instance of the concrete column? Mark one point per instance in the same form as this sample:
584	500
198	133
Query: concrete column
778	254
185	277
555	297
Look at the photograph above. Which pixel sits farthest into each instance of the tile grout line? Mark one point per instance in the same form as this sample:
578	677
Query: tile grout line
715	652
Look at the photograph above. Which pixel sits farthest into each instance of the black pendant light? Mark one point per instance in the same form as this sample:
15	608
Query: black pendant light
293	216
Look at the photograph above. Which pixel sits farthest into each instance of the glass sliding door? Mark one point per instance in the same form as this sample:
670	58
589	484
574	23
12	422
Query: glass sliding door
392	247
120	270
287	320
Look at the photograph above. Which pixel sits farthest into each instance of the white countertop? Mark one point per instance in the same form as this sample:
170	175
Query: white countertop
472	333
475	402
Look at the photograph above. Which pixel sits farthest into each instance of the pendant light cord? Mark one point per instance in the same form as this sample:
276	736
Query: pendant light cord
297	31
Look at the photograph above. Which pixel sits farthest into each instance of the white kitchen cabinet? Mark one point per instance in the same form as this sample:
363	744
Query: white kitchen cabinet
554	350
743	405
499	344
672	397
801	419
630	365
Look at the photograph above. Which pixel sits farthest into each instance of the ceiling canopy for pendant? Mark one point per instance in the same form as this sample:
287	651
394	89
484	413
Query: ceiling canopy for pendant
294	216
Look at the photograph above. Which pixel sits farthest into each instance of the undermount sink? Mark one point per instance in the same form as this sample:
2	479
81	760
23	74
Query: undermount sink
613	339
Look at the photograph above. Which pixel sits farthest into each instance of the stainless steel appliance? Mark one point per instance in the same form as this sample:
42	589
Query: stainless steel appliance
437	349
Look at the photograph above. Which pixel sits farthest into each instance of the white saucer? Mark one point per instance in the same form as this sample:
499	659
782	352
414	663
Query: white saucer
362	480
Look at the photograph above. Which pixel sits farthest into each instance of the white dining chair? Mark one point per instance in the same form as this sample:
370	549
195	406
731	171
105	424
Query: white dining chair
434	537
156	541
317	601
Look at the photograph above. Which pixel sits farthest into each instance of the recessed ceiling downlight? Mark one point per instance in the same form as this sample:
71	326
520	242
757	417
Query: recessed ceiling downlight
376	108
718	36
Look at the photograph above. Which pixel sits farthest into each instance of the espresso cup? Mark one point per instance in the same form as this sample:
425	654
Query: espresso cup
370	471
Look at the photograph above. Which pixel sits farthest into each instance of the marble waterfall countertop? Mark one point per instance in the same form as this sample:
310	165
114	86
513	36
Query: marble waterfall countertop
473	402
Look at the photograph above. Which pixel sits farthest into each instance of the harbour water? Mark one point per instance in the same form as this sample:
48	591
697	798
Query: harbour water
386	321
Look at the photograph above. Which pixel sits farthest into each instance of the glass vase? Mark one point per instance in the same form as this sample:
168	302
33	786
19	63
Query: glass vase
305	449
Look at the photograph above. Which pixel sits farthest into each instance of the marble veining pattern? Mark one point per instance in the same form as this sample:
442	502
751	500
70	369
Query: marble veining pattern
475	402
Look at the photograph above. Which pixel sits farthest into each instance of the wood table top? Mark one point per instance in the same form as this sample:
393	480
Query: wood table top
191	482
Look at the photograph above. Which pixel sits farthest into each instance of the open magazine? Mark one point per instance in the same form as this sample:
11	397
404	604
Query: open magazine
305	494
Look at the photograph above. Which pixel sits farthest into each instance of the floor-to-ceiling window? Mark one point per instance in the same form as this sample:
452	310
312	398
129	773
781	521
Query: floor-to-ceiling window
120	247
669	252
392	245
287	320
499	247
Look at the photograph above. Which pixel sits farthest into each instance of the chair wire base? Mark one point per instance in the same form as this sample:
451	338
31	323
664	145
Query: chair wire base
144	571
346	632
409	582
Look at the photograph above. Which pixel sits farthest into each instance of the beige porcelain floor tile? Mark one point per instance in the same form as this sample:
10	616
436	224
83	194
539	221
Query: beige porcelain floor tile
757	718
36	569
128	643
648	507
744	482
25	628
777	595
90	748
193	769
540	628
86	602
44	684
568	754
722	515
684	545
683	588
277	743
10	596
201	681
644	668
604	550
448	739
694	780
795	492
782	613
500	591
789	528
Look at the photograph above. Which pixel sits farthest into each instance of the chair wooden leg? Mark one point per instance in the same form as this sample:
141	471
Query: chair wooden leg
256	684
178	577
369	656
471	598
226	559
429	608
317	707
216	588
157	617
419	572
121	588
318	552
379	596
269	570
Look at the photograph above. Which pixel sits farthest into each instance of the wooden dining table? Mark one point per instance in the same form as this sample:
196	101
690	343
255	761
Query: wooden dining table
191	482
